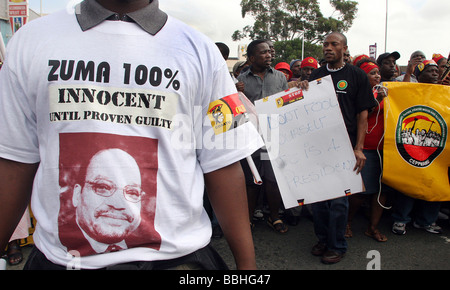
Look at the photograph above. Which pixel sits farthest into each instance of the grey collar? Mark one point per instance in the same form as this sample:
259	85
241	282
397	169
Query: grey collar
89	14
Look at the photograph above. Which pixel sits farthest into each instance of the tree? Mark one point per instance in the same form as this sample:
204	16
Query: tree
282	20
289	50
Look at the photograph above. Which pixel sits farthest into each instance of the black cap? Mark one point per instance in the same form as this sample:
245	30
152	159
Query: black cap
395	54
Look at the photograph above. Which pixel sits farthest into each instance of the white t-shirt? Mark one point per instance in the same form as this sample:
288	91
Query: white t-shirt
118	120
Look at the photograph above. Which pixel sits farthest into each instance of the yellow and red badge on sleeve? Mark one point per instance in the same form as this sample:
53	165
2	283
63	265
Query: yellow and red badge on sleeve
226	113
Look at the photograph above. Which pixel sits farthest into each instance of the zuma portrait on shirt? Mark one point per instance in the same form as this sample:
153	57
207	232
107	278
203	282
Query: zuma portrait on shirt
108	193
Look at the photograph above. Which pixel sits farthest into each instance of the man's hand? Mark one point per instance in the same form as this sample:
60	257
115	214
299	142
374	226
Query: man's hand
304	85
412	64
360	160
240	86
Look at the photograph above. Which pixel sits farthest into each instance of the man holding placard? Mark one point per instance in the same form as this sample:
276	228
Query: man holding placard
260	81
355	99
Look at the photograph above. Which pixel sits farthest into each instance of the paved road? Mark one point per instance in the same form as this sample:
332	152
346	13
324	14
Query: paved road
417	250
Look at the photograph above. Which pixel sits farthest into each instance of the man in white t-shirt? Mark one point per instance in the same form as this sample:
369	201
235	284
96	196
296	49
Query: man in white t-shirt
91	100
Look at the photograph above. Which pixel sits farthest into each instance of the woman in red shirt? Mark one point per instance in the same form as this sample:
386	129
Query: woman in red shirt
373	146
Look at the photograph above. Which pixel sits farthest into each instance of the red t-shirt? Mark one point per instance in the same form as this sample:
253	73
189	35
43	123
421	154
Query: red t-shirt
375	127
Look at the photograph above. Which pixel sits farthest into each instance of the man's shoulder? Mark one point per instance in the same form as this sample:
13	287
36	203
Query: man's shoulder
62	17
278	77
318	73
356	70
243	75
276	72
50	26
178	28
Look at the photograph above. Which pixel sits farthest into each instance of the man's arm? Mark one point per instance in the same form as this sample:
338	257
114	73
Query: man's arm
410	68
227	194
360	137
16	182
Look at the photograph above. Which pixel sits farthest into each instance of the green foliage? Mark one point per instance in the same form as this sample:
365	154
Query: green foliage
292	49
282	20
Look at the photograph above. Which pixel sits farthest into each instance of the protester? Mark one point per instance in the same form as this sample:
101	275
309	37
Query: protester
308	65
386	62
373	146
261	80
224	50
237	68
161	223
426	212
427	72
296	69
272	48
415	58
285	69
113	42
348	57
355	98
441	62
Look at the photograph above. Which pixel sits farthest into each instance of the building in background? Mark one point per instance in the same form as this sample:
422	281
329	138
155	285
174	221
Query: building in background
5	19
242	56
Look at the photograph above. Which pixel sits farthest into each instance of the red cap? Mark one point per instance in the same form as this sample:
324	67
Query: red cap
437	57
423	65
309	61
285	66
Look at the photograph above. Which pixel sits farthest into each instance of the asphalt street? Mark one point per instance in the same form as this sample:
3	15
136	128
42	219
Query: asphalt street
417	250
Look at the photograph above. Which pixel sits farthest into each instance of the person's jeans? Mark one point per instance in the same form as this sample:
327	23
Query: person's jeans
330	221
426	212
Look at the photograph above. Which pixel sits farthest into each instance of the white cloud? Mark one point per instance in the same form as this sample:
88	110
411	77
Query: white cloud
412	25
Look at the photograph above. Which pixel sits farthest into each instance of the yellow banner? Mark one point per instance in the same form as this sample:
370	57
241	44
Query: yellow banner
416	156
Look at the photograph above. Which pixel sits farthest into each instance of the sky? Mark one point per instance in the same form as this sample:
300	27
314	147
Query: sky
412	24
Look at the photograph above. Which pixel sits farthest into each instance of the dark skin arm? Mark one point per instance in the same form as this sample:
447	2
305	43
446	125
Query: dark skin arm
361	135
227	194
410	69
16	182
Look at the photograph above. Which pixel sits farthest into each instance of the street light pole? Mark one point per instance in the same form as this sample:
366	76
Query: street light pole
303	43
303	46
386	27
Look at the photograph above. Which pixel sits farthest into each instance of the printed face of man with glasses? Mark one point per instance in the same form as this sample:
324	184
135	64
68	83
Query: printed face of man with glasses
108	204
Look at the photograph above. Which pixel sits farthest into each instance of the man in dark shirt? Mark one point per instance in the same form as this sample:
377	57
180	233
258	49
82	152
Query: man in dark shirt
355	98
